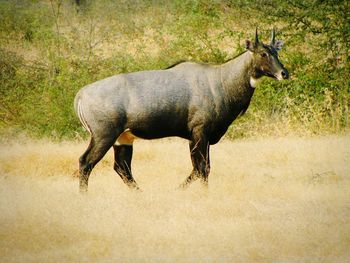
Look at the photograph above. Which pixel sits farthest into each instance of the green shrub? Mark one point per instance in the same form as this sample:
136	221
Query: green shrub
49	50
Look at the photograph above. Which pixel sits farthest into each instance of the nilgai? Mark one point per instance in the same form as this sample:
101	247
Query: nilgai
194	101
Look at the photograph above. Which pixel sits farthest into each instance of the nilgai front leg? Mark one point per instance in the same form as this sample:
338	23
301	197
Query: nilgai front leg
199	149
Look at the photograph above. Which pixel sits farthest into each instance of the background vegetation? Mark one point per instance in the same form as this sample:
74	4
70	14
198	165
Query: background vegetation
50	49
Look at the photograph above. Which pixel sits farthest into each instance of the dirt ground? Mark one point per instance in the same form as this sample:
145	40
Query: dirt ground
269	200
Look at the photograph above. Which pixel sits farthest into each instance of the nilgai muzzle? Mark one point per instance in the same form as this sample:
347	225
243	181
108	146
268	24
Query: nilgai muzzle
190	100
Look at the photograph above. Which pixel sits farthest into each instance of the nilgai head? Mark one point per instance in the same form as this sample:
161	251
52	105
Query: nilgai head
265	58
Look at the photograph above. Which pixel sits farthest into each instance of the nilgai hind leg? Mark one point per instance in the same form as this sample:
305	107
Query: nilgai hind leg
97	148
122	164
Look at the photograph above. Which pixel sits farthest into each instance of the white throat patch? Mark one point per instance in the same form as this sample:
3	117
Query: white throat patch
253	82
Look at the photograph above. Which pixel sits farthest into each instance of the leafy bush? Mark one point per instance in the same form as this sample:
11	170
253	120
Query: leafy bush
50	49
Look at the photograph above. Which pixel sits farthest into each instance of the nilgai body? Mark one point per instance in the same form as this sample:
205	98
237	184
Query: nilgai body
194	101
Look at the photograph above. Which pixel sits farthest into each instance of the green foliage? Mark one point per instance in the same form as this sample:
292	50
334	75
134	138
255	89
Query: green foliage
50	49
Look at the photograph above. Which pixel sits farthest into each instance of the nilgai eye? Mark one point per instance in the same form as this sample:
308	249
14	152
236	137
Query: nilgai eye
264	55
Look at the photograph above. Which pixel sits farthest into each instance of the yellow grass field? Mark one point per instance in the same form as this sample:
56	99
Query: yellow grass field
269	200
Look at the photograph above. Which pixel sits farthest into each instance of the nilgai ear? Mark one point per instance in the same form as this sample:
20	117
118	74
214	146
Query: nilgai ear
278	45
249	45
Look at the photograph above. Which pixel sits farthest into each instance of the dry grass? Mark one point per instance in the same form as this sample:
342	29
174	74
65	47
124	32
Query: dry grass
272	199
